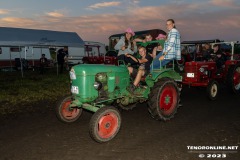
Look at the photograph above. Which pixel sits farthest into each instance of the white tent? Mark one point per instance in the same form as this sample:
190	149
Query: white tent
31	37
20	37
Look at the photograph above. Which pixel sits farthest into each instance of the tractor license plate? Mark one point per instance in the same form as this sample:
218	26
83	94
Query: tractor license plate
74	89
191	75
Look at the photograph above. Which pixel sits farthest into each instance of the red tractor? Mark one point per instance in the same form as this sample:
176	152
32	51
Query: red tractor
207	74
97	58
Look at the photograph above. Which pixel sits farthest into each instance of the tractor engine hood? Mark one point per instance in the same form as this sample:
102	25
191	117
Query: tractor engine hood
85	78
93	69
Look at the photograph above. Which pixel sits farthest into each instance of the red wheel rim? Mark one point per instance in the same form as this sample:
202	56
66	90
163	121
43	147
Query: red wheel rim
107	125
168	99
67	112
236	78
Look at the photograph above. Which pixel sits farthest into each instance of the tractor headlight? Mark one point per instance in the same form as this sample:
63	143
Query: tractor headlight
97	85
72	74
201	69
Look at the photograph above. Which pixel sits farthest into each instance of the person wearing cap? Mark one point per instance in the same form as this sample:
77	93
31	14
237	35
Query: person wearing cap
157	50
126	45
172	46
161	37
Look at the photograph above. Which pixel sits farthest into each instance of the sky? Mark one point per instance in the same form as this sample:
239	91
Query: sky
96	20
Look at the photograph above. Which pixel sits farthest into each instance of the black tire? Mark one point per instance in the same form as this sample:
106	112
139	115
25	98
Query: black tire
212	90
105	124
233	78
66	114
161	105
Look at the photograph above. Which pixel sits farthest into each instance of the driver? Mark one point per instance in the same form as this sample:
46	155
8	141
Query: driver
220	57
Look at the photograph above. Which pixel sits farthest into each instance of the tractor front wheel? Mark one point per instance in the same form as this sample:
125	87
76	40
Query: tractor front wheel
65	113
164	99
105	124
212	90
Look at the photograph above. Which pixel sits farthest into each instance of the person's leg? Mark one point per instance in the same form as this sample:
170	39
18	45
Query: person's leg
165	62
138	77
121	58
157	64
61	67
41	69
130	70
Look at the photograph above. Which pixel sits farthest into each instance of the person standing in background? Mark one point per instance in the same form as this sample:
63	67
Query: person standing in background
43	63
62	54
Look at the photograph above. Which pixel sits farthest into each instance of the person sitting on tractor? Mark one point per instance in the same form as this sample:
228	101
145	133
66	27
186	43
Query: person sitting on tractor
148	38
144	68
207	52
172	46
126	45
157	51
219	58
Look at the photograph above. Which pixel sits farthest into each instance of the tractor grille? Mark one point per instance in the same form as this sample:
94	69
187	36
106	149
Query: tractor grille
191	73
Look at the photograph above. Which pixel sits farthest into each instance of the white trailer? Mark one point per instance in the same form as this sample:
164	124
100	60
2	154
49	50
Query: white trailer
10	54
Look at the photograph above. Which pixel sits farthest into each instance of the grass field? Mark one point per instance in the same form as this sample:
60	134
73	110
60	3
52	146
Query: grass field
18	94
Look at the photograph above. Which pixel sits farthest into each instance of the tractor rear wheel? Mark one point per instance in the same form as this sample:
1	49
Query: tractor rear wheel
164	99
233	78
66	114
212	90
105	124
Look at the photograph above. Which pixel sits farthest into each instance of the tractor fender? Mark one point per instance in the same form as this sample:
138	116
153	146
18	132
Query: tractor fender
153	77
166	73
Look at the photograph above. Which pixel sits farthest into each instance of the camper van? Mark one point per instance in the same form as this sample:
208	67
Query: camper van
11	56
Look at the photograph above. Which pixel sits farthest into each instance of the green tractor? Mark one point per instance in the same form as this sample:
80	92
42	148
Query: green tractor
104	89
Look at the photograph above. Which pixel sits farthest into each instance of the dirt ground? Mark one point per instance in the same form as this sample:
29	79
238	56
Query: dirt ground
199	122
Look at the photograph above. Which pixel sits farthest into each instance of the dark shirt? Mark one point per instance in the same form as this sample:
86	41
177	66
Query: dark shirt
43	61
149	62
207	54
61	54
220	58
150	47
